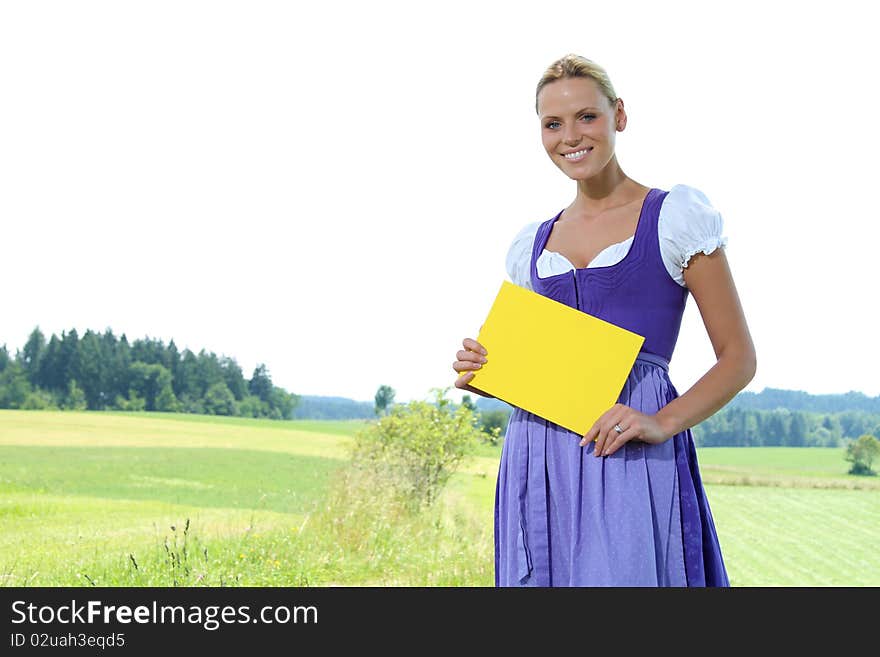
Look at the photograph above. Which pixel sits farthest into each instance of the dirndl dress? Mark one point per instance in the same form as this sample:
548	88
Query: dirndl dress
639	517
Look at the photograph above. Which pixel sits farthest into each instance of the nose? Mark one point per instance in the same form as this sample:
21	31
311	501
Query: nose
570	135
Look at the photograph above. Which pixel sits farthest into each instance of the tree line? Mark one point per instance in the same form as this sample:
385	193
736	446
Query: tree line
735	426
101	371
316	407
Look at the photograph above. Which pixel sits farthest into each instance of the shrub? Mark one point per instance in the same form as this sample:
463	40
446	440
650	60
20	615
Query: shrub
75	399
14	386
219	400
192	404
40	400
166	401
416	447
133	403
252	406
493	423
861	453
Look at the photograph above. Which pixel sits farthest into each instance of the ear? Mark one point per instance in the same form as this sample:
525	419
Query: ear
620	115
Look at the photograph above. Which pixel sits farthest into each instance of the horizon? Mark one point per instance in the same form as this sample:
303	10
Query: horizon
476	398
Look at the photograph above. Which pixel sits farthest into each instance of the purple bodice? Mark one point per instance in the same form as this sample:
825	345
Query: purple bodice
636	293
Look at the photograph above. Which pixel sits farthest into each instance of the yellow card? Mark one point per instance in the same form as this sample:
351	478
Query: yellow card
553	360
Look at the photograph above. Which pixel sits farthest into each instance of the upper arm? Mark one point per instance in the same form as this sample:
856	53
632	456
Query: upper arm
710	281
688	224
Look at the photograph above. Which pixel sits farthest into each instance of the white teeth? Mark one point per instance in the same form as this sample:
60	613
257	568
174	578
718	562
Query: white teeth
577	154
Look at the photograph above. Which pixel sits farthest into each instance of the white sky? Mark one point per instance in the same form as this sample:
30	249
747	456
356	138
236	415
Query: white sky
331	188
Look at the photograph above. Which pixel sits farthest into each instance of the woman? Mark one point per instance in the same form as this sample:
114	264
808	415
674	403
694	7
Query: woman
622	505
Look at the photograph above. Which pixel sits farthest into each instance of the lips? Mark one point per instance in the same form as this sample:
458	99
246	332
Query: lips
575	156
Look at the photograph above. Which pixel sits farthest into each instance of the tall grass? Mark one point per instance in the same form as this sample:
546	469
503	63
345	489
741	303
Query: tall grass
358	535
299	519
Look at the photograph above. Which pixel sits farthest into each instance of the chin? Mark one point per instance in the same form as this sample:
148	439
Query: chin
578	175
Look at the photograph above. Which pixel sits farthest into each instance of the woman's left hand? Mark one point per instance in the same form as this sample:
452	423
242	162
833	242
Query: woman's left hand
635	425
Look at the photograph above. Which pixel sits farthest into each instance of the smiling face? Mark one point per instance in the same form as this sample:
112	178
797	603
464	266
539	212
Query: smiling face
578	126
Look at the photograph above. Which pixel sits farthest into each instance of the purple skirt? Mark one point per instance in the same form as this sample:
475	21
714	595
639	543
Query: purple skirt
636	518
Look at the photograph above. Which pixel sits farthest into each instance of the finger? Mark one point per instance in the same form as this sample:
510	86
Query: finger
601	438
463	380
607	435
470	356
473	345
618	442
602	427
613	434
465	366
591	435
595	431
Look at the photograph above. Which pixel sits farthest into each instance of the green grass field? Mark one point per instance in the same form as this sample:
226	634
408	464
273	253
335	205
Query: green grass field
104	498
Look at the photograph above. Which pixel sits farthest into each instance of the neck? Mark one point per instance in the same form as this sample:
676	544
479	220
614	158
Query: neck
604	189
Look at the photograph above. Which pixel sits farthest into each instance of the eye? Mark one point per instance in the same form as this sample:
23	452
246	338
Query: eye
551	124
589	117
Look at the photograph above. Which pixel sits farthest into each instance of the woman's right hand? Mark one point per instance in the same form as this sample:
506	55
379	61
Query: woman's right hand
469	359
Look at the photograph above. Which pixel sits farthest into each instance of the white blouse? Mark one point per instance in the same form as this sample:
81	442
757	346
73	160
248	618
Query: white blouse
687	225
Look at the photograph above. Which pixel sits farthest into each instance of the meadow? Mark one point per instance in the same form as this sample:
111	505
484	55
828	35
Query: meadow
155	499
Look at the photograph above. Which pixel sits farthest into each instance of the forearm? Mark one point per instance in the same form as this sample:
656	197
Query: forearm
730	374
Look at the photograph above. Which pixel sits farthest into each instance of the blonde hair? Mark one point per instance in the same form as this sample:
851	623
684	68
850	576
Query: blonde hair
575	66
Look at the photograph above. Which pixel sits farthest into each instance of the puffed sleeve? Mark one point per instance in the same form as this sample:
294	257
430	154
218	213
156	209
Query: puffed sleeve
519	256
687	225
